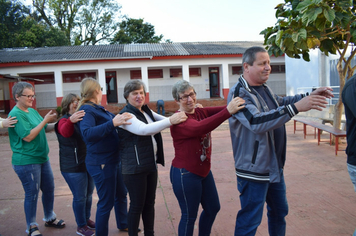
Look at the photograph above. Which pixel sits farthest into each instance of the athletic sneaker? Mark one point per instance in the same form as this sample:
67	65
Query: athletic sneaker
85	231
91	224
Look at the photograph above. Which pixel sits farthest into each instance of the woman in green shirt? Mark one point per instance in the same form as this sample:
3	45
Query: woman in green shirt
30	157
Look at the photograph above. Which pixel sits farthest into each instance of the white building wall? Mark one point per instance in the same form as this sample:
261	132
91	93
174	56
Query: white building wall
158	88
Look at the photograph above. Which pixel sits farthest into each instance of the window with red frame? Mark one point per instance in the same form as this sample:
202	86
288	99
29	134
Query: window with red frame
135	74
77	77
237	70
175	72
152	74
155	74
278	69
194	72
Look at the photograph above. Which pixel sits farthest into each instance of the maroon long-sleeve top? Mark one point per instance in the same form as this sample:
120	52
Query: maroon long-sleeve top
65	127
192	140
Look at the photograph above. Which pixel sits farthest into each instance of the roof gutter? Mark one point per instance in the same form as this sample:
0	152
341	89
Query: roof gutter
92	59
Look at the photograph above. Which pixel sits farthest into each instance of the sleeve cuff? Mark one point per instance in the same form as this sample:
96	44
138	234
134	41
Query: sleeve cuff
292	110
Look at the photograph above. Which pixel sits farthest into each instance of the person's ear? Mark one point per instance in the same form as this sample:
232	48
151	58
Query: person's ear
245	65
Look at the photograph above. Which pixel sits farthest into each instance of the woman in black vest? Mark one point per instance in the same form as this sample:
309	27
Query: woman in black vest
72	152
141	149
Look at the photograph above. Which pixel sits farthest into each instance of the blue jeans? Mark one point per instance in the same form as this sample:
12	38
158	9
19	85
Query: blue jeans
82	186
33	178
142	192
120	200
105	183
192	190
160	106
253	196
352	173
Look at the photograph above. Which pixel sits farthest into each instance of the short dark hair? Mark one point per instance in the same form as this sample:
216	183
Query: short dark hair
250	54
133	85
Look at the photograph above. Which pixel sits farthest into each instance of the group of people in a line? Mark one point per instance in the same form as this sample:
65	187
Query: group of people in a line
118	154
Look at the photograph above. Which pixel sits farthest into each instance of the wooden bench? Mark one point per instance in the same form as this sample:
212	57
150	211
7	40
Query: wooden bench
331	121
320	127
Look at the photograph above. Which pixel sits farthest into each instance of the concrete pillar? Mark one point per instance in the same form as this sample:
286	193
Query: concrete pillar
144	74
102	82
225	80
185	72
58	81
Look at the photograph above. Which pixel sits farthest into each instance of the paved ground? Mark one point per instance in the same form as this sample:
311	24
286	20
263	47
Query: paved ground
321	197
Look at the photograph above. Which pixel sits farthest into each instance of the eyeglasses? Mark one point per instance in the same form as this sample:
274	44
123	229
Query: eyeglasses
75	102
185	97
29	96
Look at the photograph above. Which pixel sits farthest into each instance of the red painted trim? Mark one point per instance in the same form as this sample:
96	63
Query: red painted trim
16	64
196	56
147	98
59	101
104	100
225	93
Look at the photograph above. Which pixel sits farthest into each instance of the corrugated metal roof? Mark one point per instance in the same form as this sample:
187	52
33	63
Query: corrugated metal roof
98	52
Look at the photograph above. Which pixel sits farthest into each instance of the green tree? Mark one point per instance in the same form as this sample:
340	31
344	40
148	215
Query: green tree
12	14
83	21
38	34
135	31
20	28
328	25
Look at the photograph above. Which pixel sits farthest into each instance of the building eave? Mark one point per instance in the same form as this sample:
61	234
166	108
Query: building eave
70	61
54	62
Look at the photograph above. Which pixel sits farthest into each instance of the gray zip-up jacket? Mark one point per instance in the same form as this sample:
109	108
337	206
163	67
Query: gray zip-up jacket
251	132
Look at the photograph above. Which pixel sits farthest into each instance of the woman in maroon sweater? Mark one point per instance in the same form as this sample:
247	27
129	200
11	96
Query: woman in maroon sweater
190	175
72	152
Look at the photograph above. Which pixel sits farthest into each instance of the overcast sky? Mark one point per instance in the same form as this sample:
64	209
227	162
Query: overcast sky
205	20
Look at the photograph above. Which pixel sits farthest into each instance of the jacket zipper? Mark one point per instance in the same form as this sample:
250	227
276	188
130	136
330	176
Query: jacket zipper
255	152
76	156
138	161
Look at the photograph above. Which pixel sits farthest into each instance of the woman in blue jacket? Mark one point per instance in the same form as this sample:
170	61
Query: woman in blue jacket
99	132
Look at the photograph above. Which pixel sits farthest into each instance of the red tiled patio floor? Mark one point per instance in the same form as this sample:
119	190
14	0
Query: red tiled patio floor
320	194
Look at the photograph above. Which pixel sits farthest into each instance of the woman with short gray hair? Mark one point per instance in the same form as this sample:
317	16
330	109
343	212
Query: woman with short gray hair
180	87
192	181
30	157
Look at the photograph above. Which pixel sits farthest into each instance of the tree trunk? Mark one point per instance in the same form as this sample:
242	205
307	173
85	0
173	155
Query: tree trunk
338	109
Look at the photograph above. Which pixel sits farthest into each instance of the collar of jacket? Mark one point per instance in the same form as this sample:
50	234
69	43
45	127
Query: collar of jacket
245	84
144	108
90	103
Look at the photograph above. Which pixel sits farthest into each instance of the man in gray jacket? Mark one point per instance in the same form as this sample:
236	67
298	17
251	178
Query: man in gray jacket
258	138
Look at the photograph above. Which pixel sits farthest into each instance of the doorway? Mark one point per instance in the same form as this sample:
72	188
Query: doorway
111	88
214	82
